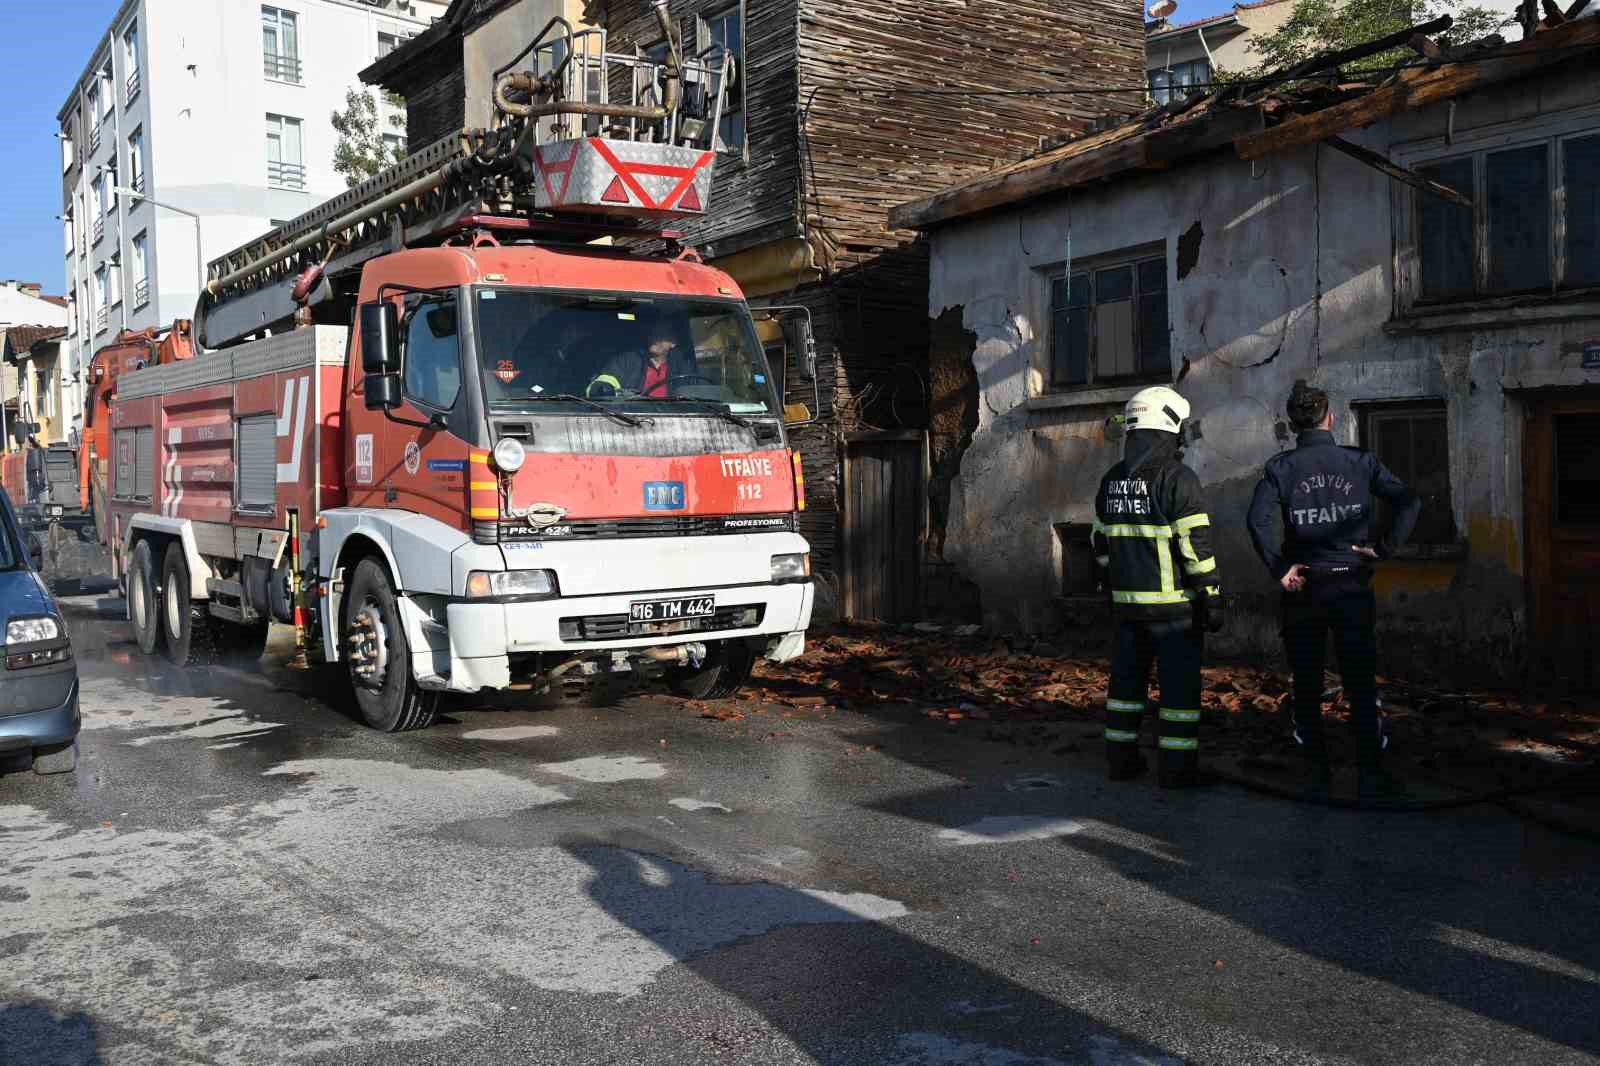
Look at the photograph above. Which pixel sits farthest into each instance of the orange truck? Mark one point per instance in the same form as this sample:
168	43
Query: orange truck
463	446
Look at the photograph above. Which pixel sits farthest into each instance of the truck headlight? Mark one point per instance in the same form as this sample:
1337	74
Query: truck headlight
787	568
484	584
32	630
509	455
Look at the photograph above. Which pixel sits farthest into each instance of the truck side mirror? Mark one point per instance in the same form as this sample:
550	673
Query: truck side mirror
381	392
380	338
806	342
20	431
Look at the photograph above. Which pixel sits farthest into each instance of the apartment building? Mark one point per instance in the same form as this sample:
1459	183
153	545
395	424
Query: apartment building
196	125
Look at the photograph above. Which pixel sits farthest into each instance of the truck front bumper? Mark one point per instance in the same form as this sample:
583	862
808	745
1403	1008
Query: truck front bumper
473	649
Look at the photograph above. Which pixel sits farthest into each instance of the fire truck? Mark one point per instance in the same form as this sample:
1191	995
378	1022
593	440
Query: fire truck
481	423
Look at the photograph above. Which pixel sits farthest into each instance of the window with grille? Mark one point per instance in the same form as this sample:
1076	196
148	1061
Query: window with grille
285	161
1109	325
1412	440
136	160
280	44
1534	226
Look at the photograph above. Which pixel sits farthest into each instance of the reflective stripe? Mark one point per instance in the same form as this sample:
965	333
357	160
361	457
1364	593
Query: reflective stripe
485	512
1179	596
1125	705
491	485
1164	556
1179	744
1170	715
1122	735
1205	566
1145	532
1213	590
1103	560
1194	521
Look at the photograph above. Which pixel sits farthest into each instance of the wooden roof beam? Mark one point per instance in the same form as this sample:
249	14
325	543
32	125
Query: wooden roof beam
1420	87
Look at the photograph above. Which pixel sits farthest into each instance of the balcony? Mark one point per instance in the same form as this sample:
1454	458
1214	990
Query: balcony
286	175
99	229
102	320
94	137
137	184
141	293
133	86
282	68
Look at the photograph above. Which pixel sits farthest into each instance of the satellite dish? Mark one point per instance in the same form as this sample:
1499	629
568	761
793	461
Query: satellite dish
1161	8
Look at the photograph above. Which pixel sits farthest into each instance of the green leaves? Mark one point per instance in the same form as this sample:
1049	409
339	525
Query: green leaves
369	142
1318	26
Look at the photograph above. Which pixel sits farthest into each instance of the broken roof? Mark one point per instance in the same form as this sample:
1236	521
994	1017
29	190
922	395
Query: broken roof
20	339
1233	116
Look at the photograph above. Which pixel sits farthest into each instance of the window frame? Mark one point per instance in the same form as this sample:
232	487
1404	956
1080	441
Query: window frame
1369	415
1168	69
136	172
132	69
290	70
708	21
283	124
1554	131
412	312
1133	258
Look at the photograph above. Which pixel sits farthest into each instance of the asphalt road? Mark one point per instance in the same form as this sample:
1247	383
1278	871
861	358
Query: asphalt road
239	874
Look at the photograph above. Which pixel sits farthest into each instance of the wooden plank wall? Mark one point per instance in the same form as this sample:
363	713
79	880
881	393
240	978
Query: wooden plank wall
752	200
864	153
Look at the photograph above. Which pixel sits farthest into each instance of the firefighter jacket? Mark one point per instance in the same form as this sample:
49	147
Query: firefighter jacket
1151	529
1324	493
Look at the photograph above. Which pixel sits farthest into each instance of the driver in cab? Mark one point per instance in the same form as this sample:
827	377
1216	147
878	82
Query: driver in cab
649	372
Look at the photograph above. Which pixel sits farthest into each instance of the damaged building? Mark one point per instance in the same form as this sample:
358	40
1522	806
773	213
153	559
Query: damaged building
1425	247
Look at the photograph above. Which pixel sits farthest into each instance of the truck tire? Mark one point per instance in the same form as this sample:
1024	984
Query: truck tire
143	610
189	638
377	656
62	759
725	671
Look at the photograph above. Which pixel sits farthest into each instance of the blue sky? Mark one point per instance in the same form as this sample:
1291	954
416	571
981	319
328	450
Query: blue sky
44	48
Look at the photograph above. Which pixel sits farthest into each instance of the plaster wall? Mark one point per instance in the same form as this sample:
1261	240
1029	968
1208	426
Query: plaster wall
1277	272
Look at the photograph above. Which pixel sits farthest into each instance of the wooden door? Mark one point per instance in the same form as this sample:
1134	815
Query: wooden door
884	519
1562	494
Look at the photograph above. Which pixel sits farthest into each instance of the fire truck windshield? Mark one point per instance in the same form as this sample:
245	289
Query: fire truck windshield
639	353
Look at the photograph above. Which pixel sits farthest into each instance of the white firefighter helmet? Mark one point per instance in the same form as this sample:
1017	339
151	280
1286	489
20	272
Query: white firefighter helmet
1156	408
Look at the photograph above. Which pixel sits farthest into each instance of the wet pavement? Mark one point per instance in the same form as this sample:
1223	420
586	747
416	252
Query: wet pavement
238	873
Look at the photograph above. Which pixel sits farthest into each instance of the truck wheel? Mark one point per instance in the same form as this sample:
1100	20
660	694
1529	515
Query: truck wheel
57	760
377	655
142	610
188	638
725	671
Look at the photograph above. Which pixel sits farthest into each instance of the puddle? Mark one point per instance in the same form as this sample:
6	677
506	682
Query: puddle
683	803
512	732
607	769
1010	830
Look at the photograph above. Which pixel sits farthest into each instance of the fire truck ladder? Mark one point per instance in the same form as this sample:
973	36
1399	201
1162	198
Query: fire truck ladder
586	143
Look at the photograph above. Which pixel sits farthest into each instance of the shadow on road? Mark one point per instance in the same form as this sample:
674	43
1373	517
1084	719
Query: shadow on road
1476	913
31	1034
849	988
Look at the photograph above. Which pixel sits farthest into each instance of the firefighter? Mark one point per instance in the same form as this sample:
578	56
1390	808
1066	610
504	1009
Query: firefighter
1151	529
1323	493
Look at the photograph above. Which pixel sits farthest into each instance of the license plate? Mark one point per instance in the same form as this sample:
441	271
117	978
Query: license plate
672	610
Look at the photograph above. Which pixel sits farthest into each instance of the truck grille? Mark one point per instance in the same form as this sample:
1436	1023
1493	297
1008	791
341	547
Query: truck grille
617	626
629	528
